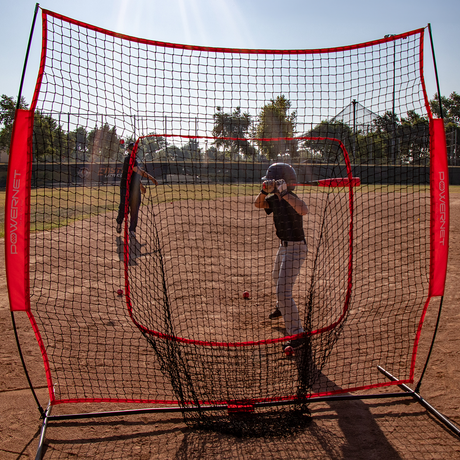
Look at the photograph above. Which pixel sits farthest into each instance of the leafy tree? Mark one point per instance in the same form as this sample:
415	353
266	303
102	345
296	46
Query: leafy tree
451	114
395	141
78	141
389	141
450	108
386	123
401	141
173	151
276	122
328	150
50	142
386	129
231	131
7	112
103	142
213	154
191	150
414	135
153	146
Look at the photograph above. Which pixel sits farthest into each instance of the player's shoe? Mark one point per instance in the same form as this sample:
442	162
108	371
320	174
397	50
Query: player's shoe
118	228
275	314
291	347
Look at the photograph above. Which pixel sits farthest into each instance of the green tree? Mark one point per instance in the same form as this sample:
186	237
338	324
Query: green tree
103	142
213	154
327	149
451	114
386	123
191	150
231	131
50	142
394	141
78	143
450	108
414	135
277	123
372	148
173	151
386	129
7	112
153	146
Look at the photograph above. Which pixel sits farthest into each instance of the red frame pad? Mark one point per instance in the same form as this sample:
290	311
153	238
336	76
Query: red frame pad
439	185
17	212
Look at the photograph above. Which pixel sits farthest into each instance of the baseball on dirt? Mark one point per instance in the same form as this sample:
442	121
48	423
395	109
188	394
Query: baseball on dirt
245	295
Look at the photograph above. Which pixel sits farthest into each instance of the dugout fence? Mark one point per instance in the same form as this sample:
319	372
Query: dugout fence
160	318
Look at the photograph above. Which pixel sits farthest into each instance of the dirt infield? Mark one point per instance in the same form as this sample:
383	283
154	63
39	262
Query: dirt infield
364	429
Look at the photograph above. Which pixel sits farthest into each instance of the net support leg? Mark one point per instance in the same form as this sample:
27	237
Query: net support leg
41	440
423	402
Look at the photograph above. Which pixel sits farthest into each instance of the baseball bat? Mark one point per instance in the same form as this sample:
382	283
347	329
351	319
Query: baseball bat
334	182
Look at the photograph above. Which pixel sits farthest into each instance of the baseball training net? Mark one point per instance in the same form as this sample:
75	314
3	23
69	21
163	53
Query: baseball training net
179	313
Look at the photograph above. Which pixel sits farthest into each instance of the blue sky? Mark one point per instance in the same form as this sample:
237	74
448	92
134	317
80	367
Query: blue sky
286	24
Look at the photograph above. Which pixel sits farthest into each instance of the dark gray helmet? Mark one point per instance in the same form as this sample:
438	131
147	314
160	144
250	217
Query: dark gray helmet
131	145
282	171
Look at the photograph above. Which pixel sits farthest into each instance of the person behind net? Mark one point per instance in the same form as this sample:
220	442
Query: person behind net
135	190
277	197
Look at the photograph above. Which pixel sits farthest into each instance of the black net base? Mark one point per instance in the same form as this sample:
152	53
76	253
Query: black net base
274	422
199	375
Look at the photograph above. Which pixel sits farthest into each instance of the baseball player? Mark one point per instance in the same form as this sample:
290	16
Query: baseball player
135	190
288	209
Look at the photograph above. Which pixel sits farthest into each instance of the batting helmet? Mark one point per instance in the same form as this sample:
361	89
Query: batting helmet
282	171
131	145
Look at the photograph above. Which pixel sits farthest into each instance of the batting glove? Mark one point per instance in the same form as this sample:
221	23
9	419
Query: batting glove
268	186
281	186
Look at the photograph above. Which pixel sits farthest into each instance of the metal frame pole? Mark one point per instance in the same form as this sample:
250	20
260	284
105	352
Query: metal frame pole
435	71
26	59
443	419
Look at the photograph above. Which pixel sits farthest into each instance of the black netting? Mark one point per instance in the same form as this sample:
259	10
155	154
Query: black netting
207	124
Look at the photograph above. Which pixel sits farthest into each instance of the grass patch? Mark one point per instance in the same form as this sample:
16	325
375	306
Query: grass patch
54	208
201	192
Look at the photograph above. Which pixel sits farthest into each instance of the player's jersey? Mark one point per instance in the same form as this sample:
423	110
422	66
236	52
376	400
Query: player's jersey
134	179
288	223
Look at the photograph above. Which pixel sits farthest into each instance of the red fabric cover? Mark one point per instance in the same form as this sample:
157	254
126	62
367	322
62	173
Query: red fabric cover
439	186
17	212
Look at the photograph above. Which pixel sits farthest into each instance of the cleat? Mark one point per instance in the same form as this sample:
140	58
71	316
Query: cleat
118	228
275	314
292	346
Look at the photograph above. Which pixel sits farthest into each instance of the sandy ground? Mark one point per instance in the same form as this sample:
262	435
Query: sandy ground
393	428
